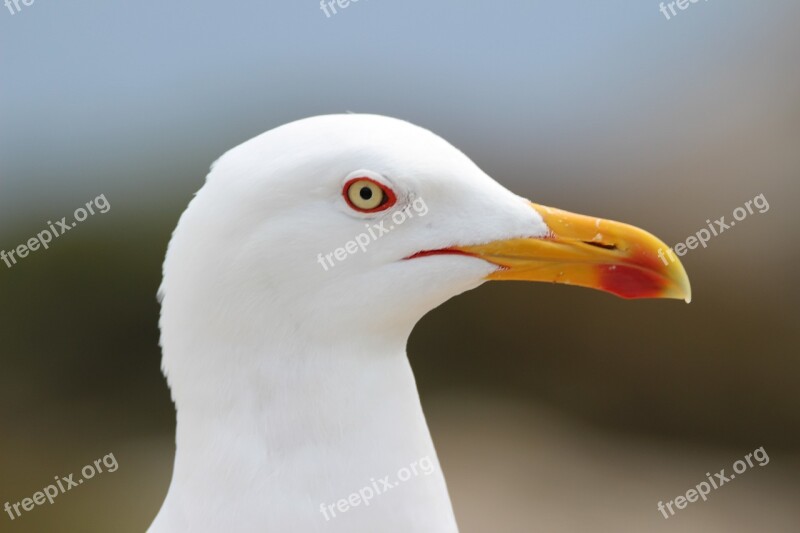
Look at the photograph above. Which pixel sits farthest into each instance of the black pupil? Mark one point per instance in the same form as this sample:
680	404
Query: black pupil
365	193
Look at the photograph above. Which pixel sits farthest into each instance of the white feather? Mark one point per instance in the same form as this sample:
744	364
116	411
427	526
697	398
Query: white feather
291	383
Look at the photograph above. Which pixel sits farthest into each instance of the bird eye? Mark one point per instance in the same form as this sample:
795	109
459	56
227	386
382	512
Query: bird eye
367	195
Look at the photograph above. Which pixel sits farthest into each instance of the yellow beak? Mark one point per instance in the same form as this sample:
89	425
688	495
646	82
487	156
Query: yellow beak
589	252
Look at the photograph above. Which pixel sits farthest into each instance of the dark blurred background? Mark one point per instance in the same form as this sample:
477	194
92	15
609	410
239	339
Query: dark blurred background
553	408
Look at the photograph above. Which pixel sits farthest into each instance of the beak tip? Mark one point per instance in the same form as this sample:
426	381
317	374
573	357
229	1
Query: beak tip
688	297
682	280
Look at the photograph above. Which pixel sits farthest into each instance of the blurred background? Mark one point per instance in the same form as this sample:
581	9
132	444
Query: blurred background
553	409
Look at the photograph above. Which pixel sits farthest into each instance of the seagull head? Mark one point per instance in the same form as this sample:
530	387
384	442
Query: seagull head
364	221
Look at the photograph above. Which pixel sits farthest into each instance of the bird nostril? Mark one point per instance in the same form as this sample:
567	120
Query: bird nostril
601	245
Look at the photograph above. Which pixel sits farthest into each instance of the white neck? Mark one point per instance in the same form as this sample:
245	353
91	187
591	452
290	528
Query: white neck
280	438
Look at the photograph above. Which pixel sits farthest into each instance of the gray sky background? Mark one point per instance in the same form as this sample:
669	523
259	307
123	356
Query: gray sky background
136	100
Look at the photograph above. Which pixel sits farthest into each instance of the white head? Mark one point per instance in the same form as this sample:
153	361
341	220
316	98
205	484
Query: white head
257	246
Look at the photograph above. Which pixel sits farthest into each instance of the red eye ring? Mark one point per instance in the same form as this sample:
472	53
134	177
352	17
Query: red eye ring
387	200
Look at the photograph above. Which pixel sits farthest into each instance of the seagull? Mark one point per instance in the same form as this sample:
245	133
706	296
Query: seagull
297	410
